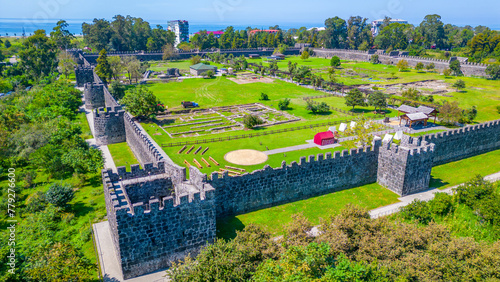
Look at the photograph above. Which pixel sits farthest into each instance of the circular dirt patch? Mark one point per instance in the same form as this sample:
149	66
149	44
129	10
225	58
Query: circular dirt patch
246	157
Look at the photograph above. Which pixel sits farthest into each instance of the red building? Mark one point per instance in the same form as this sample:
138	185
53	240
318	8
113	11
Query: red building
324	138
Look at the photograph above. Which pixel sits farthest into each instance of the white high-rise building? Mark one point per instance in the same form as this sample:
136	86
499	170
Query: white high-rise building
181	30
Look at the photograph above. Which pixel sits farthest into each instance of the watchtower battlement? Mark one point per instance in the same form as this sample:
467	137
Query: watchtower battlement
406	168
84	74
154	221
109	125
93	94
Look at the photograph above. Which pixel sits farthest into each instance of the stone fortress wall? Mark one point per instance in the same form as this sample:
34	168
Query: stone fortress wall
469	69
156	215
158	55
273	186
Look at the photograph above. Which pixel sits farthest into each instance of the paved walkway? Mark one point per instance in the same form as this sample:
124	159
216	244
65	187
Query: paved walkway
423	196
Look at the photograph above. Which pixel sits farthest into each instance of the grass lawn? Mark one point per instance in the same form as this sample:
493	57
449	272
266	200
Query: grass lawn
221	91
81	119
426	132
458	172
273	219
122	155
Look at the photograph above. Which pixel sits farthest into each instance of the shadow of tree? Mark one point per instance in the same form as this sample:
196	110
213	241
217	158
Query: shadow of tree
227	227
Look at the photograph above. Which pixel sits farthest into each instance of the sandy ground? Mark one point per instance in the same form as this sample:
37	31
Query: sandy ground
249	80
246	157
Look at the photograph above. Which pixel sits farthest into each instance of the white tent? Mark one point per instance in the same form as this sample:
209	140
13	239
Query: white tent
387	138
342	127
398	135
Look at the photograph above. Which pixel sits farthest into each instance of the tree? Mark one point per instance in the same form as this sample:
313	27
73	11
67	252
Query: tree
103	68
335	34
469	115
402	65
449	112
335	62
250	121
169	52
378	100
61	35
455	68
99	33
430	66
7	44
283	104
374	59
459	84
354	98
432	29
493	71
67	63
304	55
59	195
133	68
264	97
195	60
117	90
38	56
394	36
446	72
117	66
419	66
140	101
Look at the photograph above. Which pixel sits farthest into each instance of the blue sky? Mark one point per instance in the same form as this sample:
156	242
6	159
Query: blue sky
255	12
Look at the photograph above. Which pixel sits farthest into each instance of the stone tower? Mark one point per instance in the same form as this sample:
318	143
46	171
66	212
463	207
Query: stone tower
154	221
84	74
94	96
405	169
109	125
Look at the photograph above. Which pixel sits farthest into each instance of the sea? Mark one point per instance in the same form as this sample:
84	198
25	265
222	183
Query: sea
16	27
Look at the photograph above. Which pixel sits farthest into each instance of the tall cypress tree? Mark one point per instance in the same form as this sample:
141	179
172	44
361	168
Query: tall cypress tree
103	68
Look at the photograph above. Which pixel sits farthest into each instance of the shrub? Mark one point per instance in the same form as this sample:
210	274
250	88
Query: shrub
264	96
403	65
459	84
419	66
283	104
117	90
447	72
417	210
305	55
474	191
374	59
59	195
442	204
209	74
498	109
317	107
430	66
250	121
335	62
35	202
